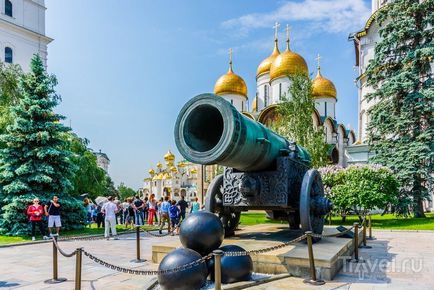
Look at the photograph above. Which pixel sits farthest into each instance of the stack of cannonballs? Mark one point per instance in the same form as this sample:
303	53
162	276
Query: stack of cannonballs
200	234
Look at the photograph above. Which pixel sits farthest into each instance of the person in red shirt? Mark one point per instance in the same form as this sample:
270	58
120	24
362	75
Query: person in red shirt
35	211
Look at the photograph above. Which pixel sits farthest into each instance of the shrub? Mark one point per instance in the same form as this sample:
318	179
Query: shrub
360	188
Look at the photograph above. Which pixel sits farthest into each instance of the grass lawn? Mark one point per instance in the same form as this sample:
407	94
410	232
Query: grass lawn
387	221
86	231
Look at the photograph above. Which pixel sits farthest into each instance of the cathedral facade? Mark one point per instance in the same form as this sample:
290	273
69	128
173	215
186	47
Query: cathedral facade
272	83
172	179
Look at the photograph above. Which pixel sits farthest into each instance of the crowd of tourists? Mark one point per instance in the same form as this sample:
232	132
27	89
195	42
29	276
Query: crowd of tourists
109	212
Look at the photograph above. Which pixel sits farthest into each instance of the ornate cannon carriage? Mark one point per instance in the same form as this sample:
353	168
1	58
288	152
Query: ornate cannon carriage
263	170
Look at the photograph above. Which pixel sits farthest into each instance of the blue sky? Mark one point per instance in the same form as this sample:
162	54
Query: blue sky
125	68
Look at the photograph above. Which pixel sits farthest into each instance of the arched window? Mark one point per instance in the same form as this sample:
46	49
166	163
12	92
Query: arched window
8	8
8	55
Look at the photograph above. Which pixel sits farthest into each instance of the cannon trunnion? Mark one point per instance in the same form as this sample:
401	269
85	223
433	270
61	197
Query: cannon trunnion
263	170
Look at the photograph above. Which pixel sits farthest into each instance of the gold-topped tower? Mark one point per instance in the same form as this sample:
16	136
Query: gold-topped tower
287	63
230	83
322	87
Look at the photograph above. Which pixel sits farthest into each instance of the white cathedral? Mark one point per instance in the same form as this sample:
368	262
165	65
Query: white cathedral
273	82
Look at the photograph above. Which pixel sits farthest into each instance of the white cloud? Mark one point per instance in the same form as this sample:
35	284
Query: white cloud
327	15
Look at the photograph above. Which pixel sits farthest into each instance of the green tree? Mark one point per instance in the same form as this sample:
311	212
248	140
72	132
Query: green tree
91	178
125	191
401	127
360	188
35	161
294	119
9	92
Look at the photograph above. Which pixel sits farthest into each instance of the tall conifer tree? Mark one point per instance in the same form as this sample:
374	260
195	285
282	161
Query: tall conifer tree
401	127
35	161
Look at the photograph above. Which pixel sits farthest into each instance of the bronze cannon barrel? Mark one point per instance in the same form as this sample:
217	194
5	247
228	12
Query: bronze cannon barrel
209	130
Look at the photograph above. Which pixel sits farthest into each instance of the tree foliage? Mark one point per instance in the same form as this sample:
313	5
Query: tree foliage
90	178
125	191
360	188
294	120
401	127
9	92
36	160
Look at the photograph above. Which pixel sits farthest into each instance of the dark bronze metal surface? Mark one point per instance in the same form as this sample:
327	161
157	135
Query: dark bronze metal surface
263	170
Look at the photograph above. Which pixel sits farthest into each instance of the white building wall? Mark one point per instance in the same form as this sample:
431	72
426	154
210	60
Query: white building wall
24	32
238	101
263	88
279	88
326	107
367	52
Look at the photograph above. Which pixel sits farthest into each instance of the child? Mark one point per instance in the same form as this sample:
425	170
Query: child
174	216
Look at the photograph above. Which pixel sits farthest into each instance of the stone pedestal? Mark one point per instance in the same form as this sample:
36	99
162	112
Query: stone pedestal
329	253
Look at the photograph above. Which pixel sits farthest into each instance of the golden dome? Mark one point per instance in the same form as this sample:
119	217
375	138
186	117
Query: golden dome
230	83
151	171
169	156
173	169
265	65
181	164
159	165
158	177
194	170
322	87
287	63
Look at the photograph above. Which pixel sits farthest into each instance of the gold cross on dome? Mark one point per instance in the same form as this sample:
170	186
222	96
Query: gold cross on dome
230	55
318	58
276	27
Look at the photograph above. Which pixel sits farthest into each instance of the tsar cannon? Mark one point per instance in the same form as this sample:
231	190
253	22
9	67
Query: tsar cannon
262	170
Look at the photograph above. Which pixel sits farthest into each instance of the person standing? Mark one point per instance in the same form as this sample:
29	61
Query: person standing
145	210
100	215
195	205
183	208
110	210
165	205
138	208
52	210
159	203
35	211
152	204
174	212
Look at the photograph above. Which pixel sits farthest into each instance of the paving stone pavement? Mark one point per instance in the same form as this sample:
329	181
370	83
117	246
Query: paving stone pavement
397	260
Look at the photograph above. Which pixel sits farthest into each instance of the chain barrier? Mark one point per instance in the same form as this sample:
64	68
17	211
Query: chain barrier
62	252
188	265
102	237
340	233
147	272
269	249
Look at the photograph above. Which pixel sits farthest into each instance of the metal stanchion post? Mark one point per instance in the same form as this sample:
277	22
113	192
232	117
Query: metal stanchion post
364	236
370	237
55	278
138	260
78	261
313	280
217	269
356	243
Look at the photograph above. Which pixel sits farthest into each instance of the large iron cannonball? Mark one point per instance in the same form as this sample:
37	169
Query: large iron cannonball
234	269
188	279
202	231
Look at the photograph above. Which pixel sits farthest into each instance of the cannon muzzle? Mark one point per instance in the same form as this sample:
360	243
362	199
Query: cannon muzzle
209	130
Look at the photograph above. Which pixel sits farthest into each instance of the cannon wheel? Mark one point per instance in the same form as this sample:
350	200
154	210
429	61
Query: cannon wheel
214	203
310	188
